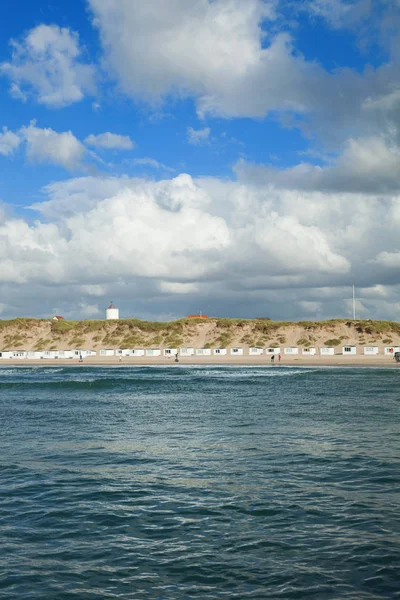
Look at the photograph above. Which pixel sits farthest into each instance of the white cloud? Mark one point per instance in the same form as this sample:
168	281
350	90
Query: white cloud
235	60
151	162
368	165
110	141
233	247
198	137
9	142
46	145
212	51
47	64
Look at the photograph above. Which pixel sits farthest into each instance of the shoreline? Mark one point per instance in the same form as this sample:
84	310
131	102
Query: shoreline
128	361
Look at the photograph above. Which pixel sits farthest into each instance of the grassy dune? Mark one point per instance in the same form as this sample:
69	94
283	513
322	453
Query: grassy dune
33	334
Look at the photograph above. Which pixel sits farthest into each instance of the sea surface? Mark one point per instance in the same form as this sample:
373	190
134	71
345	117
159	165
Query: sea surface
183	482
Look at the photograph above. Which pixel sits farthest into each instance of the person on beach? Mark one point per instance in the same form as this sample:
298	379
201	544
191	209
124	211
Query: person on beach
279	357
176	357
80	358
272	359
120	358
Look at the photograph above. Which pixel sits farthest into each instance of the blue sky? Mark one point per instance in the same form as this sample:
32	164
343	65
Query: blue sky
231	157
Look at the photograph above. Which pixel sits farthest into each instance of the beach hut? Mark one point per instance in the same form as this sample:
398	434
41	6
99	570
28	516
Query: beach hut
186	351
203	351
390	350
371	350
49	354
237	351
153	352
292	350
256	351
65	353
107	352
219	351
168	352
6	354
19	354
272	351
310	351
349	350
328	351
138	352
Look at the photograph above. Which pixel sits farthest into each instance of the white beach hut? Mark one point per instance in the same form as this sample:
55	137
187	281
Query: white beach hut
65	354
6	354
20	354
371	350
186	351
349	350
390	350
292	350
138	352
237	351
328	351
272	350
310	351
203	351
256	351
153	352
219	351
168	352
107	352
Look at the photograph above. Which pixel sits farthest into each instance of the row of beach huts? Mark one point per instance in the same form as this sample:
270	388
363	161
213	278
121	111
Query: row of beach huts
185	352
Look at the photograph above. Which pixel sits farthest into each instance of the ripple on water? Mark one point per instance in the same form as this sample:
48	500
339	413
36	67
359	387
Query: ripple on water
178	482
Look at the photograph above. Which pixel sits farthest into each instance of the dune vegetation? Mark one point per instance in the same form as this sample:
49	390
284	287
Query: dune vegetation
41	334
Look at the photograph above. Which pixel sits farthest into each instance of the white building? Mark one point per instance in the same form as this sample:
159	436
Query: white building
309	351
219	351
237	351
203	351
170	351
19	354
6	354
349	350
256	351
292	350
112	312
371	350
186	351
107	352
153	352
328	351
130	352
272	351
390	350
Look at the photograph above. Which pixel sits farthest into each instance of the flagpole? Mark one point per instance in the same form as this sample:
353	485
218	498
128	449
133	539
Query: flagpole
354	304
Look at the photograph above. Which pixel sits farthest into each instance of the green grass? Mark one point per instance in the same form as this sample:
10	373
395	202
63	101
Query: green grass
333	342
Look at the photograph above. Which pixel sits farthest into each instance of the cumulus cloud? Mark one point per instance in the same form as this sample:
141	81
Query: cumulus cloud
198	137
235	60
212	50
233	247
367	165
47	64
46	145
110	141
9	142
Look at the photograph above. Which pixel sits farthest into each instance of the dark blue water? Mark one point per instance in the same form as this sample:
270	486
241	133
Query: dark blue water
199	482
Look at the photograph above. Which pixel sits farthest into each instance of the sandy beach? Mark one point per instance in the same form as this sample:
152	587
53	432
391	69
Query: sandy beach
301	361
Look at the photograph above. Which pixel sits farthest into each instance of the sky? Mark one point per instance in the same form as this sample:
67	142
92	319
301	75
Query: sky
241	159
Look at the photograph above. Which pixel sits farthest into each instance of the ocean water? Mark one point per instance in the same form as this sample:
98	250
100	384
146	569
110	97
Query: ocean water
199	482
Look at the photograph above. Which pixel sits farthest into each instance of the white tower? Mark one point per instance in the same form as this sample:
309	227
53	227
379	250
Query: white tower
112	312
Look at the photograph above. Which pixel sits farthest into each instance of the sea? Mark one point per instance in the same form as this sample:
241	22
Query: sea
207	482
